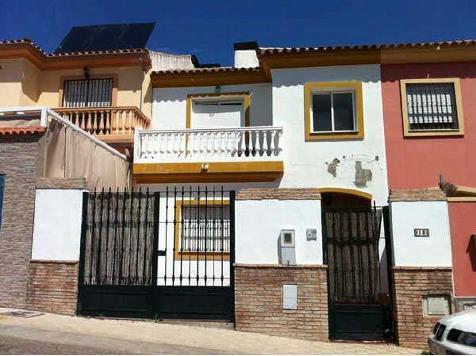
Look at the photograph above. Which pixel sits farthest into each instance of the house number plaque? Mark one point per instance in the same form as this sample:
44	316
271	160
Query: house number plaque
421	232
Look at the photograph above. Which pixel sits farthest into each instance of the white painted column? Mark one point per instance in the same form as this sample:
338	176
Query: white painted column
57	224
413	217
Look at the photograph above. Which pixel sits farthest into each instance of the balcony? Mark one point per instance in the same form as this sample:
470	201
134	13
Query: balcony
113	125
208	155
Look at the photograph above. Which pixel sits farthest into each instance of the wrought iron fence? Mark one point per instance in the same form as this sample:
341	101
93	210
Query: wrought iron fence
119	238
175	237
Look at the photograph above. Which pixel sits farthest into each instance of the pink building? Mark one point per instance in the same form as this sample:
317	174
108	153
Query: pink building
430	132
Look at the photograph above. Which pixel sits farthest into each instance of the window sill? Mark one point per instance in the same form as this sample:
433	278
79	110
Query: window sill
335	136
433	133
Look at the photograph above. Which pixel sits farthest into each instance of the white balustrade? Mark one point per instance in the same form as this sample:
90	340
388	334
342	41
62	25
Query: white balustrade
203	145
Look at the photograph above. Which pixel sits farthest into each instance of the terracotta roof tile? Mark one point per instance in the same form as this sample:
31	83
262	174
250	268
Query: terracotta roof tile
279	50
208	70
28	42
28	130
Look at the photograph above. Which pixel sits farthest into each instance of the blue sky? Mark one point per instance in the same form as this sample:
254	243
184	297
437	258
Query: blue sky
208	28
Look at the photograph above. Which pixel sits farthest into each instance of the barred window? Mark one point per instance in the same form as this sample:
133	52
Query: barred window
87	93
205	229
432	106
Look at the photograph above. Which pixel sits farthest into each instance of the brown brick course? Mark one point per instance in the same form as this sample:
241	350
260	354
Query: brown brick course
432	194
53	286
18	162
278	194
411	284
258	301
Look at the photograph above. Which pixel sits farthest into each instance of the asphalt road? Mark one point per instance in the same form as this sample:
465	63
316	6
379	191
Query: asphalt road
24	340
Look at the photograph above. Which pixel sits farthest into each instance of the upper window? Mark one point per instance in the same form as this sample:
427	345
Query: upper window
431	107
333	111
87	93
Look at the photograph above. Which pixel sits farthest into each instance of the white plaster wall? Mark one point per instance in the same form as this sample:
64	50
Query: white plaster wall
259	223
421	251
282	104
169	106
306	163
246	58
57	224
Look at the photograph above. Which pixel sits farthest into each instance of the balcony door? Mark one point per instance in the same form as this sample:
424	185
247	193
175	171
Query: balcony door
87	93
213	114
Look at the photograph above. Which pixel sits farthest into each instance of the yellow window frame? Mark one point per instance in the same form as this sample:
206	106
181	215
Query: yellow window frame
432	132
210	256
310	88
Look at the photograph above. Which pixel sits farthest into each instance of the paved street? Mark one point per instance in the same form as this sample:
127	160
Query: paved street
55	334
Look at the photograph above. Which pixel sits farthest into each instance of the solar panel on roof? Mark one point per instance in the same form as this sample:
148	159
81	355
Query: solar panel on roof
106	37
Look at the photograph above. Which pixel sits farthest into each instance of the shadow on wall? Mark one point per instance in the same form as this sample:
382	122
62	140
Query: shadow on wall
471	250
367	73
396	72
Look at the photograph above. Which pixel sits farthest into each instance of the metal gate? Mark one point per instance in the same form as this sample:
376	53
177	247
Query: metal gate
166	254
358	284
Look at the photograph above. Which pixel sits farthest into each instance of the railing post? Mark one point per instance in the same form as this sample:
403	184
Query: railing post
232	253
137	144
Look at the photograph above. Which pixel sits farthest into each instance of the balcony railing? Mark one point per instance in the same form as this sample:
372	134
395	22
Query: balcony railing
205	145
114	121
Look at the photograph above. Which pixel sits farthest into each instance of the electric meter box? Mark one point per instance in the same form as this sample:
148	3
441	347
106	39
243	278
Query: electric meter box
287	248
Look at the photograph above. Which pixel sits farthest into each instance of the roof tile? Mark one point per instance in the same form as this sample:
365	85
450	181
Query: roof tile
208	70
279	50
29	130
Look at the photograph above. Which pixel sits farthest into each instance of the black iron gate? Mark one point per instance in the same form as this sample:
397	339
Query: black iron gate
358	283
166	254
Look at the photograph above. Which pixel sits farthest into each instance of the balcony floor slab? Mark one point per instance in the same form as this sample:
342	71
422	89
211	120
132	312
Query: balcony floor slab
205	172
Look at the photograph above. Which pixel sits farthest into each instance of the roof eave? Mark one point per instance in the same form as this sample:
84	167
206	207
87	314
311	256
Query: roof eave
28	50
191	78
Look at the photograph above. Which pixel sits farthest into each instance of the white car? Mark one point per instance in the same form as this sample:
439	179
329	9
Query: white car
454	335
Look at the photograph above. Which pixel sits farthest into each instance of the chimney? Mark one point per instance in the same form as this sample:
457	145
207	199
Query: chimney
245	54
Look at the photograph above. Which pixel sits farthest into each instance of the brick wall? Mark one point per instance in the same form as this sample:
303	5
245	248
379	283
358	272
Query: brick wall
18	159
258	301
279	194
53	286
431	194
411	284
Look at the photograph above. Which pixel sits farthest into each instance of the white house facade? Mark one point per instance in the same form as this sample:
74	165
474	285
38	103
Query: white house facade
258	194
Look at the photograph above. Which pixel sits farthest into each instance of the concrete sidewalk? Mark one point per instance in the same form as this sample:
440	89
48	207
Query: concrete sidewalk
50	333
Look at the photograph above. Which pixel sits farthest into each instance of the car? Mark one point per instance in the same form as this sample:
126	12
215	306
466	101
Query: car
454	335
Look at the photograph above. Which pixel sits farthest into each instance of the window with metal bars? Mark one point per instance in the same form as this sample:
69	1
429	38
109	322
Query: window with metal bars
205	229
431	106
87	93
